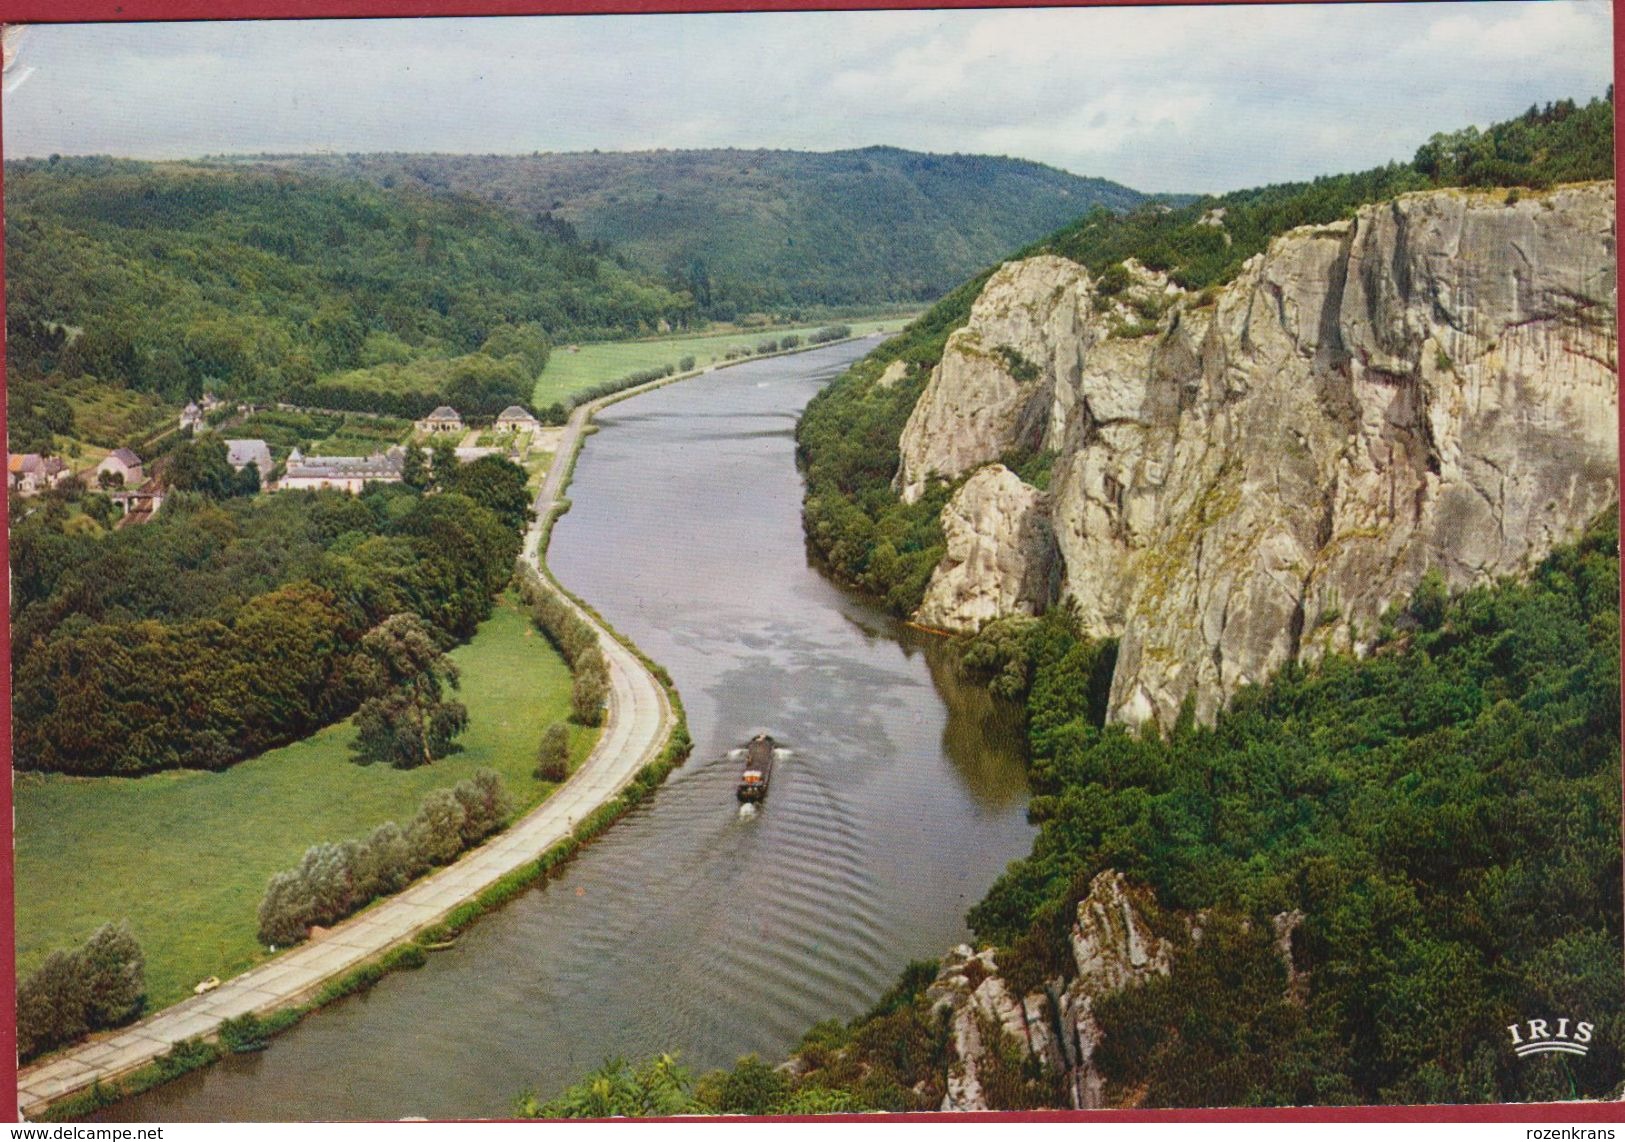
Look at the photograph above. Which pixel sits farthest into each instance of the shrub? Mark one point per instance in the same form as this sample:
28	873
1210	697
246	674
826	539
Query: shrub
114	972
99	984
829	333
284	910
752	1087
51	1006
245	1033
436	833
553	757
1113	280
685	364
485	806
184	1057
768	347
790	341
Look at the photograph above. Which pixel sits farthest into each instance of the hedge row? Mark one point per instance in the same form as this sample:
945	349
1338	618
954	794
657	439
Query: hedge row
334	880
829	333
577	641
621	384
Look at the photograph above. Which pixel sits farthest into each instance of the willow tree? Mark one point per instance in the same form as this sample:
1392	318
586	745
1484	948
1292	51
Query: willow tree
406	718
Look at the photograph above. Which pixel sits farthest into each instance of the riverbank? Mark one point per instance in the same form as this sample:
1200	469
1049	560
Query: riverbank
568	373
191	901
641	705
690	924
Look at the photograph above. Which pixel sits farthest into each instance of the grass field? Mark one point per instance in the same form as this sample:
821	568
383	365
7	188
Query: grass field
568	373
186	856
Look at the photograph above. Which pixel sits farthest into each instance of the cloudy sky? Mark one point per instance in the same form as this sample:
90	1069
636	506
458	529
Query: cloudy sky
1163	99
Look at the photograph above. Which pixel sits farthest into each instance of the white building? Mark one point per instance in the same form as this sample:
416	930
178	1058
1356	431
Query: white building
342	473
516	419
442	419
123	466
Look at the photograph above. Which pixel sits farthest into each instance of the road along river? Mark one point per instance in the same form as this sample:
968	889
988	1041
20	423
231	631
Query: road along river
691	926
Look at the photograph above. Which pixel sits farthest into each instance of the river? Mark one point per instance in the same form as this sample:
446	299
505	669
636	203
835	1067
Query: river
692	926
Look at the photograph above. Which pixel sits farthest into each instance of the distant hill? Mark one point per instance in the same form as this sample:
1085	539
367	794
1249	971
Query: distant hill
755	230
176	278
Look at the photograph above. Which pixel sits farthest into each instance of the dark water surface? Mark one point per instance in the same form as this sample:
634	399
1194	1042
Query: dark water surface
690	927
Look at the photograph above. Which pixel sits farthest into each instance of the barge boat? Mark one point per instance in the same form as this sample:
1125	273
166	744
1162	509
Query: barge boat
758	768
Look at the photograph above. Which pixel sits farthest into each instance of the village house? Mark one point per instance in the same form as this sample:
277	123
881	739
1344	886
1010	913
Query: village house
342	473
122	469
30	473
242	453
191	417
516	419
442	419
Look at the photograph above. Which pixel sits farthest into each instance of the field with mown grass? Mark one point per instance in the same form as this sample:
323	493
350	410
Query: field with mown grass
185	856
568	373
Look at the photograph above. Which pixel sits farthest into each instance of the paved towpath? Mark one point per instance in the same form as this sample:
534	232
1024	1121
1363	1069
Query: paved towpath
635	731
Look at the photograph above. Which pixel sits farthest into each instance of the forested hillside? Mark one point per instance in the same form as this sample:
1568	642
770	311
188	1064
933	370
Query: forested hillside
174	278
229	625
849	437
744	231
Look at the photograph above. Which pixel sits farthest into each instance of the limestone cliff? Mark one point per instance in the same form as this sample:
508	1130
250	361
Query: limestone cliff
1113	948
1430	384
1000	557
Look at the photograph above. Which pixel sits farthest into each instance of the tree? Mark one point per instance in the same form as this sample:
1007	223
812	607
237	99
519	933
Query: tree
485	805
247	481
527	341
415	472
406	720
496	483
114	971
201	465
659	1088
590	690
51	1005
99	984
436	833
443	461
553	757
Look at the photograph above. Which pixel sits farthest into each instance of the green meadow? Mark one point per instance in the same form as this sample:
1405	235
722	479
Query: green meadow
567	373
185	856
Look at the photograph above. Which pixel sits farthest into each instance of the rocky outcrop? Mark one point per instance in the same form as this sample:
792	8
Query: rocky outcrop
1000	556
1431	384
979	1007
1113	948
992	391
